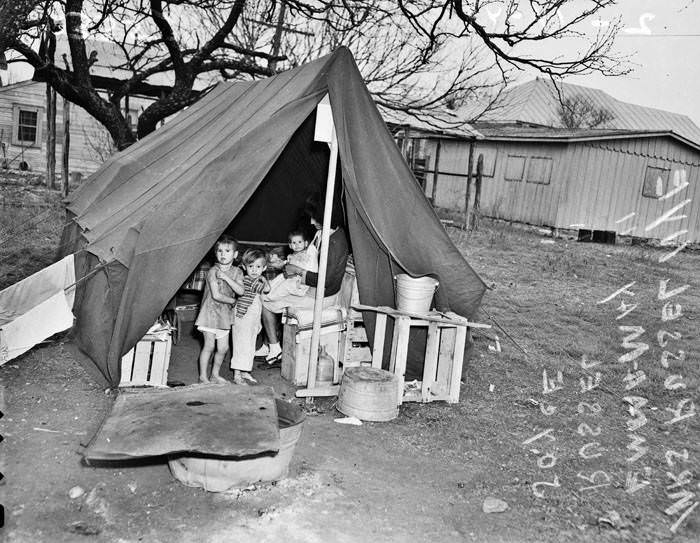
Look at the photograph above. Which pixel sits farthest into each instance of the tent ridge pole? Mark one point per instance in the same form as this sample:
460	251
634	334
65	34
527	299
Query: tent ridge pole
322	266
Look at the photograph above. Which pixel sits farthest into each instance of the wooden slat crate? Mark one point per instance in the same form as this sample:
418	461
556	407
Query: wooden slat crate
147	363
296	350
444	353
356	345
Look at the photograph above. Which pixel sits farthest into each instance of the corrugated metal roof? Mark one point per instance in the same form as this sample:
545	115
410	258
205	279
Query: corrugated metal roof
515	132
525	131
537	102
443	122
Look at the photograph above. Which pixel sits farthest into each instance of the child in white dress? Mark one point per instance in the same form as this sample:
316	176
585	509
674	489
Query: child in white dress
304	255
224	282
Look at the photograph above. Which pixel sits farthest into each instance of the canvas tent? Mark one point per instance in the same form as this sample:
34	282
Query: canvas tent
242	160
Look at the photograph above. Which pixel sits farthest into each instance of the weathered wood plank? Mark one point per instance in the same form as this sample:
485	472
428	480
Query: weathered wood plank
219	420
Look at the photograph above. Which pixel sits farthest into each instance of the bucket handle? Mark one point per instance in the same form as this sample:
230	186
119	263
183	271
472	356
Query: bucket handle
437	286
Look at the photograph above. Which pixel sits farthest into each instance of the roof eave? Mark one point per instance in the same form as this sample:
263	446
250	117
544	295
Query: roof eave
438	132
599	137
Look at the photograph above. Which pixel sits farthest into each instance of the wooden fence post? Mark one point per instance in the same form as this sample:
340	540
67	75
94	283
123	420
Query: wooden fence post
437	169
467	196
477	192
50	136
66	146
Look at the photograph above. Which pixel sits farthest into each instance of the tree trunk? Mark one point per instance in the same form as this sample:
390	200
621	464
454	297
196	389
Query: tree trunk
166	106
108	114
121	133
50	137
477	193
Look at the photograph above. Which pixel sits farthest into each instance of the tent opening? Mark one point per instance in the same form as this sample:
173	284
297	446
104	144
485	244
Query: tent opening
276	206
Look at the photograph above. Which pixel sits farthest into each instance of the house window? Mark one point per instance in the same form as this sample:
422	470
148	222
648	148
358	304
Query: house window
27	125
515	168
655	182
26	128
539	170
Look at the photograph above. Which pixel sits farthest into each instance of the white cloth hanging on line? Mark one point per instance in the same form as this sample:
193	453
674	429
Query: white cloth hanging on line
36	308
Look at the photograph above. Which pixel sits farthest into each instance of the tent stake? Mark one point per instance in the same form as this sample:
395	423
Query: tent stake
322	267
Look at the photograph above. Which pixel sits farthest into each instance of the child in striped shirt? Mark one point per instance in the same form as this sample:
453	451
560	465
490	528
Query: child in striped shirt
246	324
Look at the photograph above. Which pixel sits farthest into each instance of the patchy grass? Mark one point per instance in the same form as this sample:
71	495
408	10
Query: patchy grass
548	296
29	233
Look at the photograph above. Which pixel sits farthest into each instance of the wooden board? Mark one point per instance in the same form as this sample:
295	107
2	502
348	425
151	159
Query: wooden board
219	420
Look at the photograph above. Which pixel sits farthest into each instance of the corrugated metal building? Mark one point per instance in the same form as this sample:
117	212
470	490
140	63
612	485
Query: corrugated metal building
537	102
610	180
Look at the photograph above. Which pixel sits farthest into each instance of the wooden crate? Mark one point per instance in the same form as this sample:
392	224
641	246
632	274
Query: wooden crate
296	350
444	354
147	363
356	349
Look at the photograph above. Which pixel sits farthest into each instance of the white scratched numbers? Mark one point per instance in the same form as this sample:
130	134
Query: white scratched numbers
591	449
680	488
547	459
635	406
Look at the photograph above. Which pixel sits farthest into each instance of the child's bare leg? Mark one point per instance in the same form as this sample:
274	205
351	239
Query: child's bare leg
205	356
221	350
237	377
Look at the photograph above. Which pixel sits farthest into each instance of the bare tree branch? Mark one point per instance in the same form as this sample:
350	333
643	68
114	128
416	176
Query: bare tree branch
419	57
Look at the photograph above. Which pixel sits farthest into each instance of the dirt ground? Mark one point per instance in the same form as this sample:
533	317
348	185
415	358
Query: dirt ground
425	475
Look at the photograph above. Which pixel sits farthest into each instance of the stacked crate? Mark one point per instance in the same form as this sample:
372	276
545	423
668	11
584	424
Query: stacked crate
147	363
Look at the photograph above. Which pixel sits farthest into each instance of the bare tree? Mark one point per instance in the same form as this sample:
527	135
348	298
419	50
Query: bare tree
14	20
166	44
521	33
403	70
416	56
100	146
580	112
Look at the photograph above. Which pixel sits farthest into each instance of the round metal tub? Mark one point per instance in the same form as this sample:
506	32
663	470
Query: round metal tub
219	475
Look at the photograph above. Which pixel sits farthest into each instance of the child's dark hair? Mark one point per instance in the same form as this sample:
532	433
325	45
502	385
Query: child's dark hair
297	233
251	255
225	239
279	251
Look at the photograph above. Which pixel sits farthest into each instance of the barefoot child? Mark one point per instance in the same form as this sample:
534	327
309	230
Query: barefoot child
224	282
246	325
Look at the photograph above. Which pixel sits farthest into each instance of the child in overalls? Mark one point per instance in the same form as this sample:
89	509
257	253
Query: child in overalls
246	324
